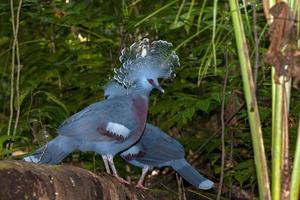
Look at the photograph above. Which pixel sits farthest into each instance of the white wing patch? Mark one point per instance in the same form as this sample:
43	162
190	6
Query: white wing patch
132	150
31	159
144	52
118	129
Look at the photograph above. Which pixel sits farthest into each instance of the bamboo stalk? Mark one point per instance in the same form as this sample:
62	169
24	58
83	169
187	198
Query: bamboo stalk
269	21
249	90
277	118
280	99
277	140
295	180
273	107
295	183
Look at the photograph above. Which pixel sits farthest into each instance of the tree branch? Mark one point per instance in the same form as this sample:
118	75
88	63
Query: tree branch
22	180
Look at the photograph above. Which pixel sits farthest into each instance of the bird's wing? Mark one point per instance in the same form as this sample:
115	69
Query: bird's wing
156	147
106	120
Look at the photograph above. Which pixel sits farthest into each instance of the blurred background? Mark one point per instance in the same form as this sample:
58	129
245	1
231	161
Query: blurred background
68	49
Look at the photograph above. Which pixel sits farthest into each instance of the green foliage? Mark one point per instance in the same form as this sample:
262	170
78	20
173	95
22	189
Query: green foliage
245	169
68	51
6	139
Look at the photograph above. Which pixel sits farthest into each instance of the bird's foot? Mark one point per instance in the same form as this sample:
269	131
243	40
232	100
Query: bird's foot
140	185
122	180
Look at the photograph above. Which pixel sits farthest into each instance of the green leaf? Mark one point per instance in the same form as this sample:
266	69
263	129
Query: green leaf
203	104
243	171
57	101
6	138
189	17
244	165
23	95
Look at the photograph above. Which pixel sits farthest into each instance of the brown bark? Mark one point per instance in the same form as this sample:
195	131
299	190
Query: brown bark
21	180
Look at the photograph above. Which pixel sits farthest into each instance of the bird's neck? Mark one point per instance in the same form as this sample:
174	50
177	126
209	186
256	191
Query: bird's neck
141	91
141	99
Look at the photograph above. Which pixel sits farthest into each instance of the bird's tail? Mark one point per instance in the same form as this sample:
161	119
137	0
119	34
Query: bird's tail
191	175
54	151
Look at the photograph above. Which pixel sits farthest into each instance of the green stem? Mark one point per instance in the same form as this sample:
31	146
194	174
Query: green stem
273	106
281	95
179	12
201	15
12	81
155	13
295	183
254	120
215	10
277	141
18	107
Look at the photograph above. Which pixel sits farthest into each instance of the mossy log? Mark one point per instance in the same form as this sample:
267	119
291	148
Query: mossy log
22	180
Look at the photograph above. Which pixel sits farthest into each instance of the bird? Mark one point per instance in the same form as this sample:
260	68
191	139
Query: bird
157	149
110	126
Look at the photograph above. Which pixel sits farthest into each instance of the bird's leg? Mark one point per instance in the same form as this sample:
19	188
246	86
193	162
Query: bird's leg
104	157
114	171
140	184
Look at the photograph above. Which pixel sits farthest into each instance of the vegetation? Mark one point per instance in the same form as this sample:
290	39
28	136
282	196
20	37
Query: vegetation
56	56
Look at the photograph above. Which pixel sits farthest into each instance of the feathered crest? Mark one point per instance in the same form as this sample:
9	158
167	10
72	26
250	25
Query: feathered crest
113	88
155	60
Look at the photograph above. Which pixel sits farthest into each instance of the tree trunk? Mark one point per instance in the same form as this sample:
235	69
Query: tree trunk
22	180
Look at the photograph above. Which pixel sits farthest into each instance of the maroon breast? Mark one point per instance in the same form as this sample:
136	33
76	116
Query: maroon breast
140	106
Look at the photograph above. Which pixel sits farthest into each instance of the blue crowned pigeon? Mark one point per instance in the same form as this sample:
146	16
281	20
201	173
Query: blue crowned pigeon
111	126
157	149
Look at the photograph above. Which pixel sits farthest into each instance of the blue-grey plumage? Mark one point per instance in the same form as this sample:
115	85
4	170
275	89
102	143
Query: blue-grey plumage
106	127
119	113
54	151
190	174
157	149
110	126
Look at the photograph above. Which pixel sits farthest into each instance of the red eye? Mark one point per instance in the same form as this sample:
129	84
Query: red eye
150	81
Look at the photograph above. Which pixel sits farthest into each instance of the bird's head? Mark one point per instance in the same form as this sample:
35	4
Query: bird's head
149	84
144	63
113	88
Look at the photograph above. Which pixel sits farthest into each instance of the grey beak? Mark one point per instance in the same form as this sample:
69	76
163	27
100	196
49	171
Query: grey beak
157	86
